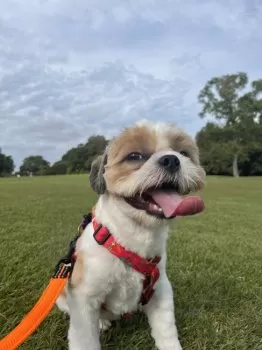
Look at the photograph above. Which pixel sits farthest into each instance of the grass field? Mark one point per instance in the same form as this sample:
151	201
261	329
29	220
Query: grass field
215	263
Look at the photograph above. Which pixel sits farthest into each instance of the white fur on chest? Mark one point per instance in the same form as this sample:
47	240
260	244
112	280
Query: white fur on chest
126	292
106	277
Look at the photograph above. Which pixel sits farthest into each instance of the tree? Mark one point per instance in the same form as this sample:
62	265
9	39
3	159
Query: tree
79	159
95	145
238	114
35	165
6	164
58	168
75	159
253	165
216	156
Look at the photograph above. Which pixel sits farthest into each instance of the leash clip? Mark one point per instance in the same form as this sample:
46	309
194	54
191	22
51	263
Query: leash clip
63	269
65	265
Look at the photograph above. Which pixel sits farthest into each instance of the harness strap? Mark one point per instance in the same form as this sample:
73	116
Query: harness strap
148	267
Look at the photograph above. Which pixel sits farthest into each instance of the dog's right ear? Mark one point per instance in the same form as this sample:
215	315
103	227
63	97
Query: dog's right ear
96	176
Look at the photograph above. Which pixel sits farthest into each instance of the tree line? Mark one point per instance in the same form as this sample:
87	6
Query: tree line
230	143
75	161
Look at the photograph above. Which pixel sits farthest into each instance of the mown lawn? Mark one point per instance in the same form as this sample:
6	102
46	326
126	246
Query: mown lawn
215	263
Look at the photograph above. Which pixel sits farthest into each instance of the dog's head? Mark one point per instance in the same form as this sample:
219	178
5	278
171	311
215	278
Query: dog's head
148	168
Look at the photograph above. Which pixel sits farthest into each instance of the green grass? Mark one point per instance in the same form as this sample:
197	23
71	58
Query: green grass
214	263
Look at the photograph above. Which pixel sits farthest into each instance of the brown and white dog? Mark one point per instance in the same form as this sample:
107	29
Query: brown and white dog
140	180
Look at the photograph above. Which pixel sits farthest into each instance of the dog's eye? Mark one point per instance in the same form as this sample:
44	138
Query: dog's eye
135	156
185	154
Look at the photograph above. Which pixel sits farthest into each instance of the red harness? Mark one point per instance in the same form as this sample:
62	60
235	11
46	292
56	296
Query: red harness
147	267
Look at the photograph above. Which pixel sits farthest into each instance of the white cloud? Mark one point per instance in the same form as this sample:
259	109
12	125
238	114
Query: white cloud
70	69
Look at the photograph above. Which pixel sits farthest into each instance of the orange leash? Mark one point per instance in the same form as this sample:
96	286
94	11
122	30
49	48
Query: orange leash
35	317
48	298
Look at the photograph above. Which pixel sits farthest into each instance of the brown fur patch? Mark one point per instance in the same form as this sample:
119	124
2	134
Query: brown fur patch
137	139
78	271
63	293
119	172
180	141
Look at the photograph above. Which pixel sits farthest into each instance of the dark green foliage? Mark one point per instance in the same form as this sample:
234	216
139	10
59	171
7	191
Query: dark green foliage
6	164
34	165
219	97
95	146
58	168
216	152
79	159
75	159
235	144
253	164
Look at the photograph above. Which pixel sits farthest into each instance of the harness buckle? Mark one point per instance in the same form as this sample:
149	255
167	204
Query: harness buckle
103	238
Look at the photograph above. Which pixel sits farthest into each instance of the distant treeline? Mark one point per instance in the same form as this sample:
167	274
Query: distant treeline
229	145
75	161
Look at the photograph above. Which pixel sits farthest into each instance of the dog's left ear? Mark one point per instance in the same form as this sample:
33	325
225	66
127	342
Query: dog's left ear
96	176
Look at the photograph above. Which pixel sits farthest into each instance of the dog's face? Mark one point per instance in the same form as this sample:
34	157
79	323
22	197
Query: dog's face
147	168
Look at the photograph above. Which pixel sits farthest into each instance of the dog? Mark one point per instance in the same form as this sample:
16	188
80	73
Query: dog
140	180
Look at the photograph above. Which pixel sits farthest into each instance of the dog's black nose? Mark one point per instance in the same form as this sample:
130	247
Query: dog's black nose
170	162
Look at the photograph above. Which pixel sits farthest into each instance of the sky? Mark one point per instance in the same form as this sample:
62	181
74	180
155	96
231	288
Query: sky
71	69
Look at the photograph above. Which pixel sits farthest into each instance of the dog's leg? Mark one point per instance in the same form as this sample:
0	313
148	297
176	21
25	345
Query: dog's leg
84	323
160	313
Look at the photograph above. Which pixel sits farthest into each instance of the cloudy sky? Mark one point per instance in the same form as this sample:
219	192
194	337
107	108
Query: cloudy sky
69	69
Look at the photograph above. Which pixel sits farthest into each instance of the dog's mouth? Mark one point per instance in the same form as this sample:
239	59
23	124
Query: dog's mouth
166	202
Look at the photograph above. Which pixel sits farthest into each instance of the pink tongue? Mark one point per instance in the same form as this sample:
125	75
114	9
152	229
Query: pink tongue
173	204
